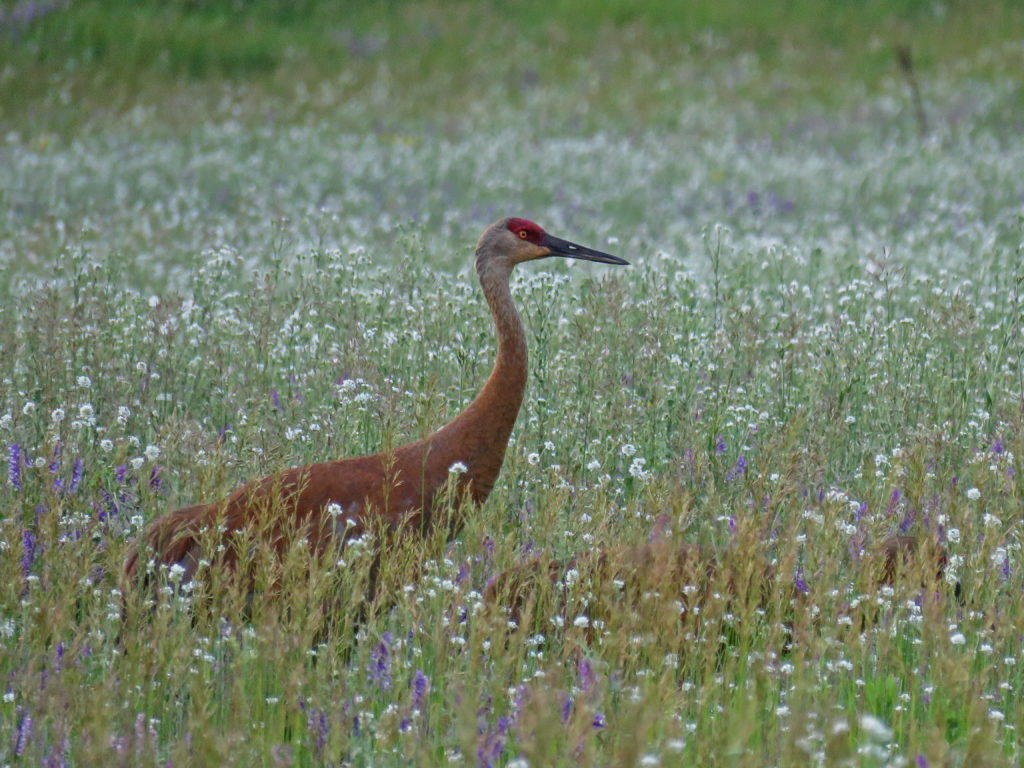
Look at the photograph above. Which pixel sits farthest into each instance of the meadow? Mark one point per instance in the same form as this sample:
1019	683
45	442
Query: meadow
236	238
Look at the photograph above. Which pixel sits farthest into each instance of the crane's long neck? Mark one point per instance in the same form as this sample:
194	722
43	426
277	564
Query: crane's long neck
507	381
479	435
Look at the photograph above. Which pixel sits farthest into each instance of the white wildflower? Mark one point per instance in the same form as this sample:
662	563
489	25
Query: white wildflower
152	452
458	468
581	621
57	415
29	408
973	494
875	728
106	445
628	449
636	469
84	382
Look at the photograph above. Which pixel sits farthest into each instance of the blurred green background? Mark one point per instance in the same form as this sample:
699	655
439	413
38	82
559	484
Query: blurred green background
69	63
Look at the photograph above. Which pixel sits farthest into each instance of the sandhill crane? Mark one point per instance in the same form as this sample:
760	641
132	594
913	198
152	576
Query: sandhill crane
335	500
688	573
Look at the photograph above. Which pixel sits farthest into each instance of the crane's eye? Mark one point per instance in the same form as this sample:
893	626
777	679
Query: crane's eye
522	234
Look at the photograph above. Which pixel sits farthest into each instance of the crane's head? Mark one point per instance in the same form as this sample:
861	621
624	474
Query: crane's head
513	241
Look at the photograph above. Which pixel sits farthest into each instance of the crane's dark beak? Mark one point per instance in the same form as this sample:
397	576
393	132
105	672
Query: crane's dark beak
560	247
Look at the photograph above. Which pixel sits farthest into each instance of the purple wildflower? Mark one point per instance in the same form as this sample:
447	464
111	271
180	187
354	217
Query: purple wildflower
321	734
463	573
54	466
921	761
587	678
121	471
420	682
517	703
14	467
492	745
24	732
720	445
380	668
224	431
28	546
894	500
276	400
798	581
908	520
76	475
997	447
58	664
110	510
317	723
154	478
566	708
861	511
1006	567
739	469
599	721
732	525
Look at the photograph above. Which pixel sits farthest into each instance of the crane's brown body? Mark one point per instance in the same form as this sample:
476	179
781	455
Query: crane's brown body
668	567
335	500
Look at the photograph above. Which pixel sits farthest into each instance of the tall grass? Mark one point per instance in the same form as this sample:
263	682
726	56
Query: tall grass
811	423
818	345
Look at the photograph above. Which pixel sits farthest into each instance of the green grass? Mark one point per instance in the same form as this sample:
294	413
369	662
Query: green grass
225	254
632	61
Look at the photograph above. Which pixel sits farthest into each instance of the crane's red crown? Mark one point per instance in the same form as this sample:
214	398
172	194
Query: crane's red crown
526	229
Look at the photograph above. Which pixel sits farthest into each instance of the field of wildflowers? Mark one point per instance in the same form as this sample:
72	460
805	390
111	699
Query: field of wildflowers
818	345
